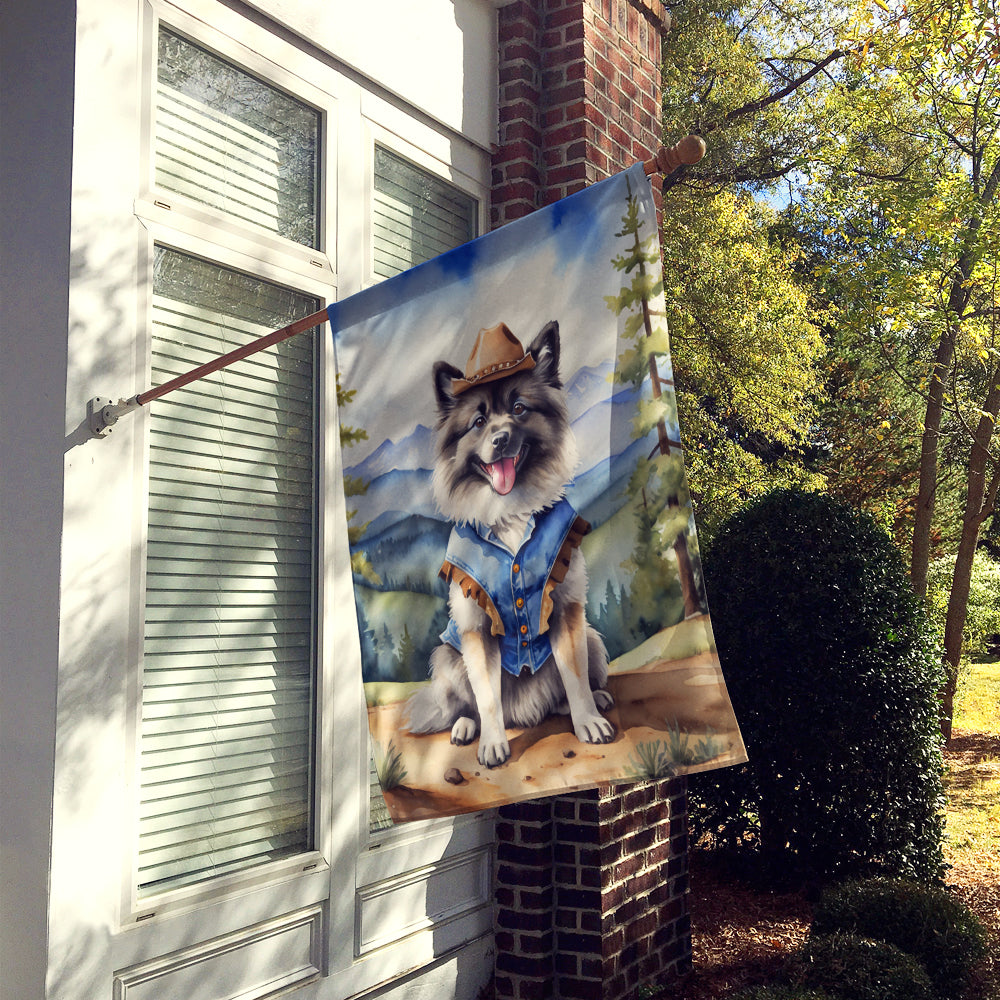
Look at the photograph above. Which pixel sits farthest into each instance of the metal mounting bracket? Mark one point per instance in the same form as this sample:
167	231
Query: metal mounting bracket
103	413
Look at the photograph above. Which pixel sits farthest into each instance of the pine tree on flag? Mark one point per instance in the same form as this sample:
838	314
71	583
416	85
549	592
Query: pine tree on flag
661	475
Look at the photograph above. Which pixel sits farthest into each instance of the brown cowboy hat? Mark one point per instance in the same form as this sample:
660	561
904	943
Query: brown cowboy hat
497	353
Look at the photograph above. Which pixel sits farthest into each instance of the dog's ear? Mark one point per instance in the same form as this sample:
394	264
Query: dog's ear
545	350
443	375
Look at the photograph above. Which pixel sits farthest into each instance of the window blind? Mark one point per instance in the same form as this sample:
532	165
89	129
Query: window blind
228	140
228	653
416	216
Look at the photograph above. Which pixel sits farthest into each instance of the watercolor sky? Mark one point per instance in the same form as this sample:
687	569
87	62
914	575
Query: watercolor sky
552	265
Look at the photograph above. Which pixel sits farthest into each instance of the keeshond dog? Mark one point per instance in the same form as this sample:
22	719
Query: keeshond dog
518	646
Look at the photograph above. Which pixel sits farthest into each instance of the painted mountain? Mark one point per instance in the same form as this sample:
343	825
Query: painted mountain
398	474
405	535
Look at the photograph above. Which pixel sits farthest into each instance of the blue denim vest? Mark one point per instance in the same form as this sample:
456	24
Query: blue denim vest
514	588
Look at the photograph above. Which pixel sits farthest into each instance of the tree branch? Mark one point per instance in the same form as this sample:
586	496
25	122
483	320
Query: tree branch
754	106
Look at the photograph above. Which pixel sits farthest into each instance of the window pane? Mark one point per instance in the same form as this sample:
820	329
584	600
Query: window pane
416	215
228	679
228	140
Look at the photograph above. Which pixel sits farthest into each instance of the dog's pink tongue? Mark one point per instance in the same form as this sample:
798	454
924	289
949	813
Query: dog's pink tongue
502	475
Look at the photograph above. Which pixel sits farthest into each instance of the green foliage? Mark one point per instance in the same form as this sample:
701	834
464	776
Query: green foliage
650	760
738	73
354	487
983	612
655	759
833	672
924	921
389	765
856	968
747	351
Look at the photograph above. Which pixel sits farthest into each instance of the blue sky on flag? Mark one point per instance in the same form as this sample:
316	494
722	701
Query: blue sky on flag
490	280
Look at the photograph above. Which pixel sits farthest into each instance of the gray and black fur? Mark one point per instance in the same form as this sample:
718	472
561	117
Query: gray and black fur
520	419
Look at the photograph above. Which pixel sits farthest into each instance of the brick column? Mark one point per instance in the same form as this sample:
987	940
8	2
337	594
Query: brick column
591	893
579	96
591	888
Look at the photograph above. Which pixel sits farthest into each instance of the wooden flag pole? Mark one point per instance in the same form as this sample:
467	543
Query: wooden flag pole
103	413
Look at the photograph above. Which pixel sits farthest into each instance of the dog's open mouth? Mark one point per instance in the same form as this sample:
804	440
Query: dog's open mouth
503	472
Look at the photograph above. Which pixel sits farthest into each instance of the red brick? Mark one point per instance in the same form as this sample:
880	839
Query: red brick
521	130
518	111
642	883
567	133
553	117
521	90
518	49
551	39
536	944
573	988
553	77
569	15
535	989
566	963
642	926
658	854
538	966
595	102
518	920
535	899
520	876
567	52
527	856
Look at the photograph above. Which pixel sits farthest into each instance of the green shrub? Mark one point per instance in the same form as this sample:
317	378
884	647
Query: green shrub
925	922
856	968
833	672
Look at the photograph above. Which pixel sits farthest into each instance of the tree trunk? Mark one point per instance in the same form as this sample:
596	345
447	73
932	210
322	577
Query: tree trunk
980	498
958	300
920	553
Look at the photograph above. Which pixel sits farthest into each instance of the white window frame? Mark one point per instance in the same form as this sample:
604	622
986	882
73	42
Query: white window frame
350	871
180	224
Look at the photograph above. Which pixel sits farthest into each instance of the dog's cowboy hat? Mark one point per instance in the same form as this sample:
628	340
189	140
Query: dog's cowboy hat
497	353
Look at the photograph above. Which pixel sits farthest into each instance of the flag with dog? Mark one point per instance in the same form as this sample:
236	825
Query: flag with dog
531	615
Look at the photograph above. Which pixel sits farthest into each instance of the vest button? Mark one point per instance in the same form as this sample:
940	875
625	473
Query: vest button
524	630
524	644
520	602
516	567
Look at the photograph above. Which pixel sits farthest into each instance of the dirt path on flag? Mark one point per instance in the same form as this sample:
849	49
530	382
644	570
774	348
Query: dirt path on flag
674	713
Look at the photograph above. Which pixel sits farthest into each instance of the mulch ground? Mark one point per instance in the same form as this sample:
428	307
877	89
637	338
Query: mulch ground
742	935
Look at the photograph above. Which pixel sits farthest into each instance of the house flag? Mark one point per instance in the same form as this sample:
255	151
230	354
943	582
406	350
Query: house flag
530	604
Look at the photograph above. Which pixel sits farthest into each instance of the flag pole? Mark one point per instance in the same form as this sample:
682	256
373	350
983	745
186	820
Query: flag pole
103	413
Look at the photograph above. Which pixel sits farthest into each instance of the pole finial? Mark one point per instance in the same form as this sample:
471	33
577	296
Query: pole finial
668	158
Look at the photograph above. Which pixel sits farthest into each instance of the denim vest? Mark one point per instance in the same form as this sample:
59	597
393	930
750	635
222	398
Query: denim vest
515	588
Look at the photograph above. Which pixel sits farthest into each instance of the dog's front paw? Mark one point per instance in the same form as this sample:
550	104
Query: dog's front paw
593	729
603	699
493	753
464	731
